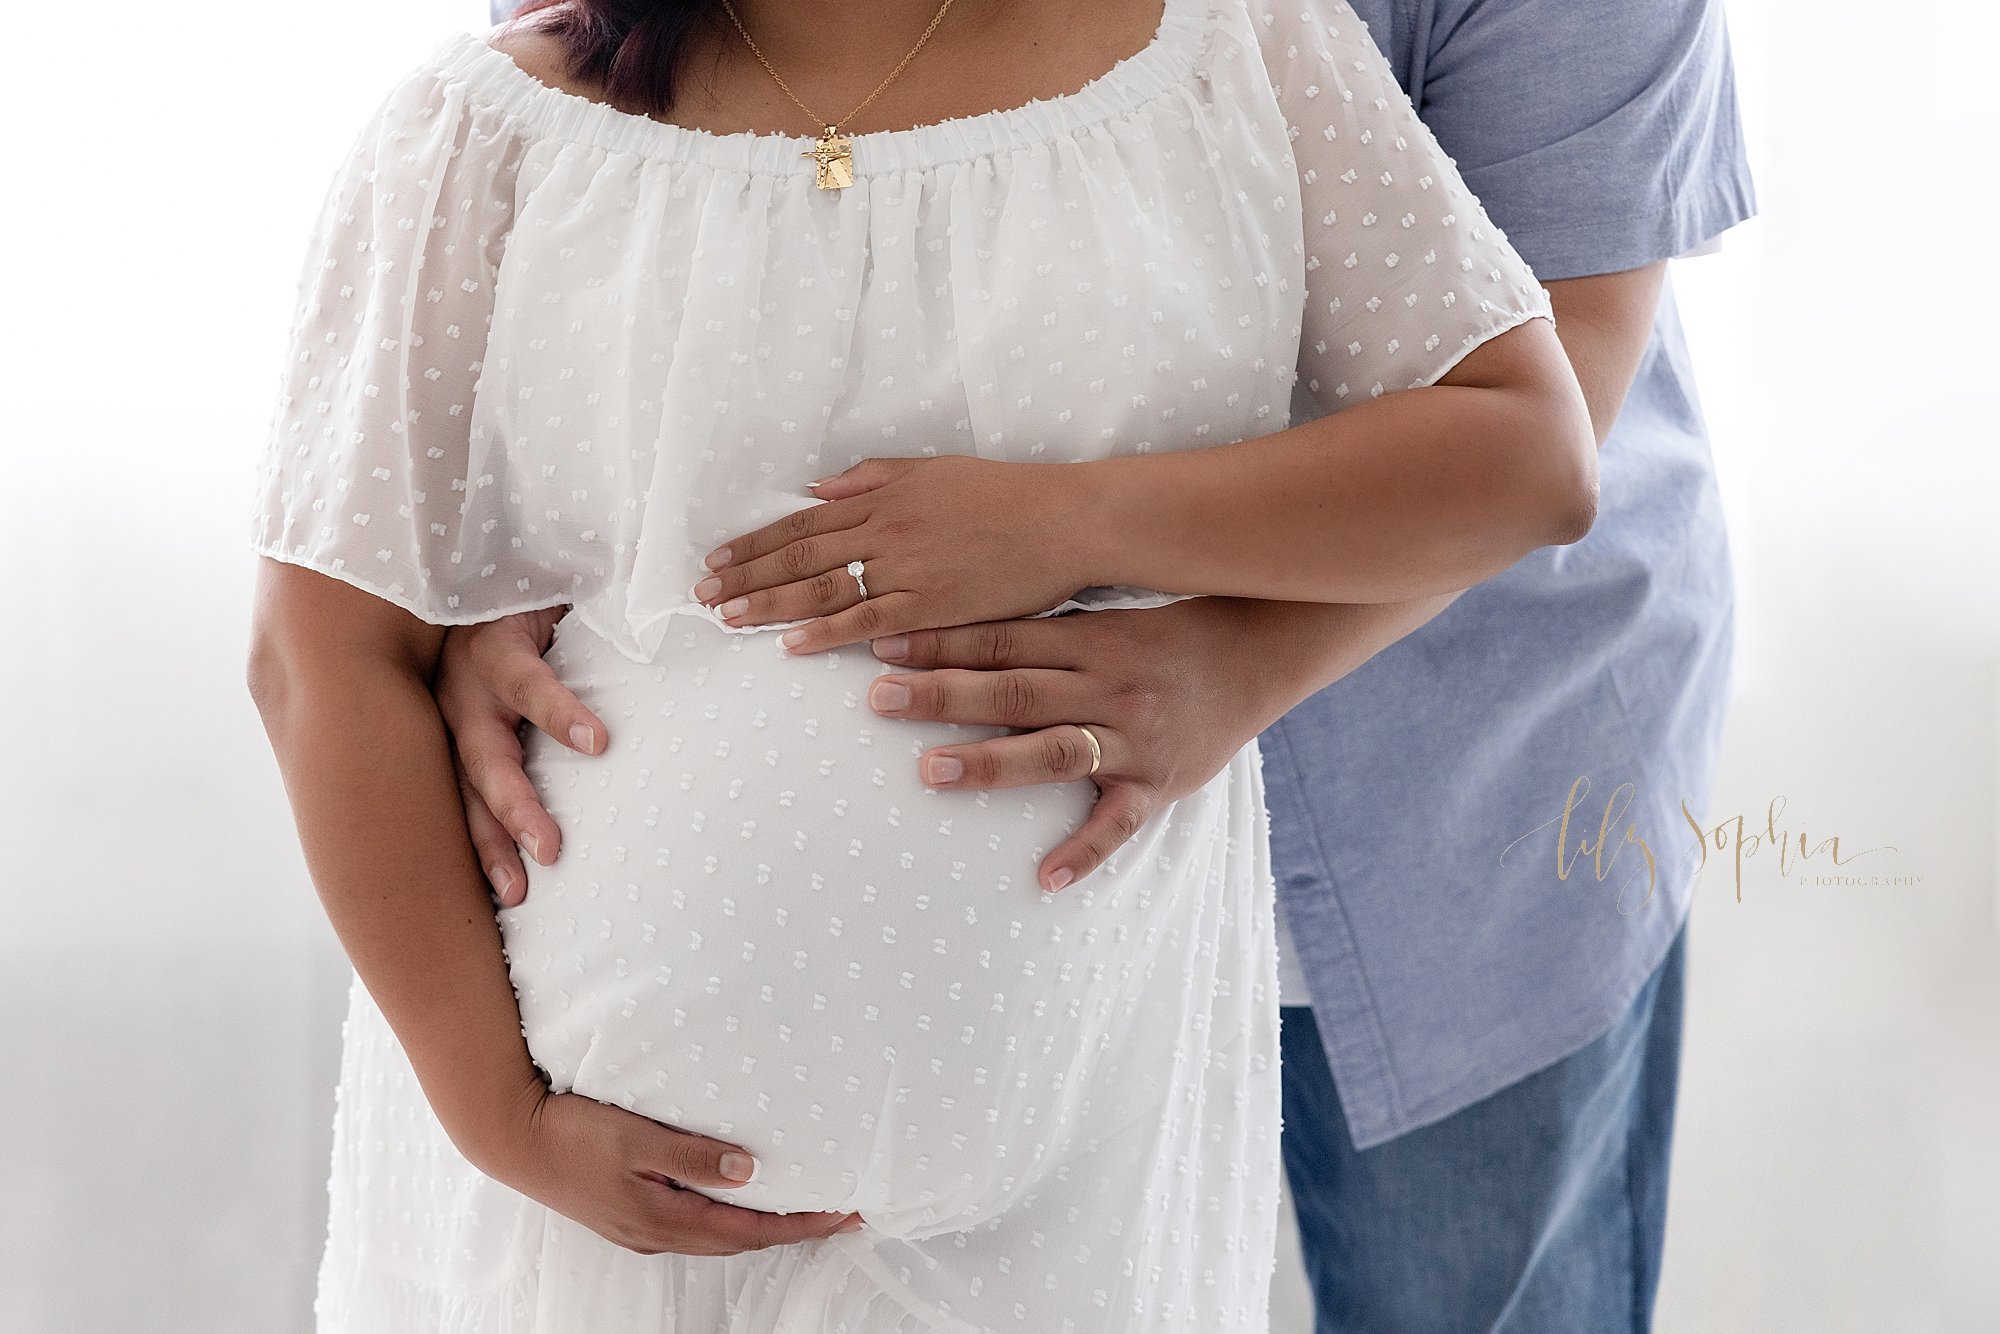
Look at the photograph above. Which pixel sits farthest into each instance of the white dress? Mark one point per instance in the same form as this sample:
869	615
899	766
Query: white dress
548	352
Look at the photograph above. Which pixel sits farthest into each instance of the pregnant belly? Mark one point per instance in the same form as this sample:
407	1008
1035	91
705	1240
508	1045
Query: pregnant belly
762	926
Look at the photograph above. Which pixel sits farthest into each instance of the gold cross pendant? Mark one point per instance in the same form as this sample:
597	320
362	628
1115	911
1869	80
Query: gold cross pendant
833	155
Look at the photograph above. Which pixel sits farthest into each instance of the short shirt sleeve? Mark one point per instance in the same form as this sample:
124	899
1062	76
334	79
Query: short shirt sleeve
1405	273
1631	155
375	468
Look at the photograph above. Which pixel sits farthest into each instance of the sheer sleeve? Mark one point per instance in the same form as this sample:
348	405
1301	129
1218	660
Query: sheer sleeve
1405	273
377	469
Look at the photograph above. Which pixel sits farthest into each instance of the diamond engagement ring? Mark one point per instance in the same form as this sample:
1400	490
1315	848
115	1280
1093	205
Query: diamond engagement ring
855	567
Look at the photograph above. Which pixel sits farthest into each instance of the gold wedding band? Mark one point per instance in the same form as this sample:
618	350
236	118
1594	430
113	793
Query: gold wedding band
1096	751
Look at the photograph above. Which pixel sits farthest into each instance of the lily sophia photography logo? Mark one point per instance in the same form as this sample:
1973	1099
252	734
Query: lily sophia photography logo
1582	847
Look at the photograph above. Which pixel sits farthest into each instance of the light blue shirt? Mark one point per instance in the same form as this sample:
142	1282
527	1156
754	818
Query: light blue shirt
1600	138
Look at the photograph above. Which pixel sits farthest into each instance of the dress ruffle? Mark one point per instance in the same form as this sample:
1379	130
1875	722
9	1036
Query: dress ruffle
545	111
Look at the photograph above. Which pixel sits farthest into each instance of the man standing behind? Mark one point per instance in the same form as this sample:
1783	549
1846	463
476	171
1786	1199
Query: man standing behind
1480	1054
1479	1102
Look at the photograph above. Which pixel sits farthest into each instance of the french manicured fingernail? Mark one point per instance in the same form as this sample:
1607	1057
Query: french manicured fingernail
792	638
851	1225
738	1166
733	607
889	696
707	589
1059	877
716	559
892	648
502	878
584	737
943	768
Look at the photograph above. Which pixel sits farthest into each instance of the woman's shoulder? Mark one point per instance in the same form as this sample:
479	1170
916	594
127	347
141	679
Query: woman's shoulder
516	79
541	54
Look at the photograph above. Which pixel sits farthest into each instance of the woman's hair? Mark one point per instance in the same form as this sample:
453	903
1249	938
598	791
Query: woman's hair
629	48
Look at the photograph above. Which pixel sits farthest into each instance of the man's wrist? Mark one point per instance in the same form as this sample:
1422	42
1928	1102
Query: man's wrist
1283	649
1286	652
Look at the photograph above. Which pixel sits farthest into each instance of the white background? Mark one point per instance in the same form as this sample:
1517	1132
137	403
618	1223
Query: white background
170	991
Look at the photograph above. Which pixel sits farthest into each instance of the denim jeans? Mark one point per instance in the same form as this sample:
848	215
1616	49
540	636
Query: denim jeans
1538	1210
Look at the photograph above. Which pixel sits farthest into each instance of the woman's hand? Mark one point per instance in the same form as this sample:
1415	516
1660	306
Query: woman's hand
941	541
341	681
623	1177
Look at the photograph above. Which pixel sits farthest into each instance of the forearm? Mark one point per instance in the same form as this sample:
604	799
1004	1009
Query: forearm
1605	322
1408	495
1293	650
364	758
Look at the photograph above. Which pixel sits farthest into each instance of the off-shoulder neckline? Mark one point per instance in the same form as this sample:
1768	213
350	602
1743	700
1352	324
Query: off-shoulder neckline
494	78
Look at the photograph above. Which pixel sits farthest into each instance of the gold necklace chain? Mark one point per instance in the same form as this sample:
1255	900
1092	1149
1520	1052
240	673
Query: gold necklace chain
832	151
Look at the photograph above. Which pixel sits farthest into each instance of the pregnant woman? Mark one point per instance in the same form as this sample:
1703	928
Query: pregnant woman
784	1039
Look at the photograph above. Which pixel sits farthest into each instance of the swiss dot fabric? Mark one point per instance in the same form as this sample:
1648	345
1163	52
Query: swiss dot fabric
550	353
1405	273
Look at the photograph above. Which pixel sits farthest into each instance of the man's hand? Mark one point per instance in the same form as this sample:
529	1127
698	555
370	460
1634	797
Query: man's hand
1172	693
490	677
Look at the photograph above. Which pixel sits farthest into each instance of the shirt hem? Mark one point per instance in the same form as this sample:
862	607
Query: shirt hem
1336	983
1369	1132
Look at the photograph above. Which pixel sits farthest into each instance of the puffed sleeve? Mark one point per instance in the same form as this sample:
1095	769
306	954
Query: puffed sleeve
1405	273
377	468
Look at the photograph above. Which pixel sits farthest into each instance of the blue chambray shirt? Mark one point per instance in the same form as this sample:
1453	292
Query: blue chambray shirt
1599	138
